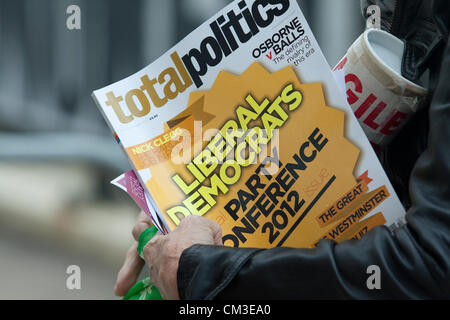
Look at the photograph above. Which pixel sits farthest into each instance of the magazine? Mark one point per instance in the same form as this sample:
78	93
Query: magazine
243	122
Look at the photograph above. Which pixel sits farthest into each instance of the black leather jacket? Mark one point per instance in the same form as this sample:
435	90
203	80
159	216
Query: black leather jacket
414	259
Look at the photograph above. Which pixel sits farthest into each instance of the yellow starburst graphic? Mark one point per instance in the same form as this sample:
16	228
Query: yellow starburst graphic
282	123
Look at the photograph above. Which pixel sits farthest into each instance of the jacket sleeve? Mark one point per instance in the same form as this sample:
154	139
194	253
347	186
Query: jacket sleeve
414	260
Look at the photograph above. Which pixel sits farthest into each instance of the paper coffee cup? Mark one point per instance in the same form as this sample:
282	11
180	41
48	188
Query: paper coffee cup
380	97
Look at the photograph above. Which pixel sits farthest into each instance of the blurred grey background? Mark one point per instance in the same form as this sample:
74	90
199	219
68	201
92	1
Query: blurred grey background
57	155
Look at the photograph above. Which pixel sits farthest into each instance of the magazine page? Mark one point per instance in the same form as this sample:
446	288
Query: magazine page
243	122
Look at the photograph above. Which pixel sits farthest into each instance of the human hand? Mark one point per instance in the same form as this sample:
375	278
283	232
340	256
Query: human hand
162	253
133	264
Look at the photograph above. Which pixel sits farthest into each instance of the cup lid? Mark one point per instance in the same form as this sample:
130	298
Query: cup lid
388	51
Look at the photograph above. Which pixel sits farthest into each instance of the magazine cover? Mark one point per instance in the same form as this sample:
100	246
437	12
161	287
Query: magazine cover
242	122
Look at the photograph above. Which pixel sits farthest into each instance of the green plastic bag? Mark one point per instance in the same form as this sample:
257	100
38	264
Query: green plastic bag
144	290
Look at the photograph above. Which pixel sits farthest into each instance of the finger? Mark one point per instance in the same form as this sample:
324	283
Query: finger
143	217
217	235
152	247
129	272
142	223
216	231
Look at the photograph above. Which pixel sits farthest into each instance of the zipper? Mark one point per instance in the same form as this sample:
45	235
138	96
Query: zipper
395	19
